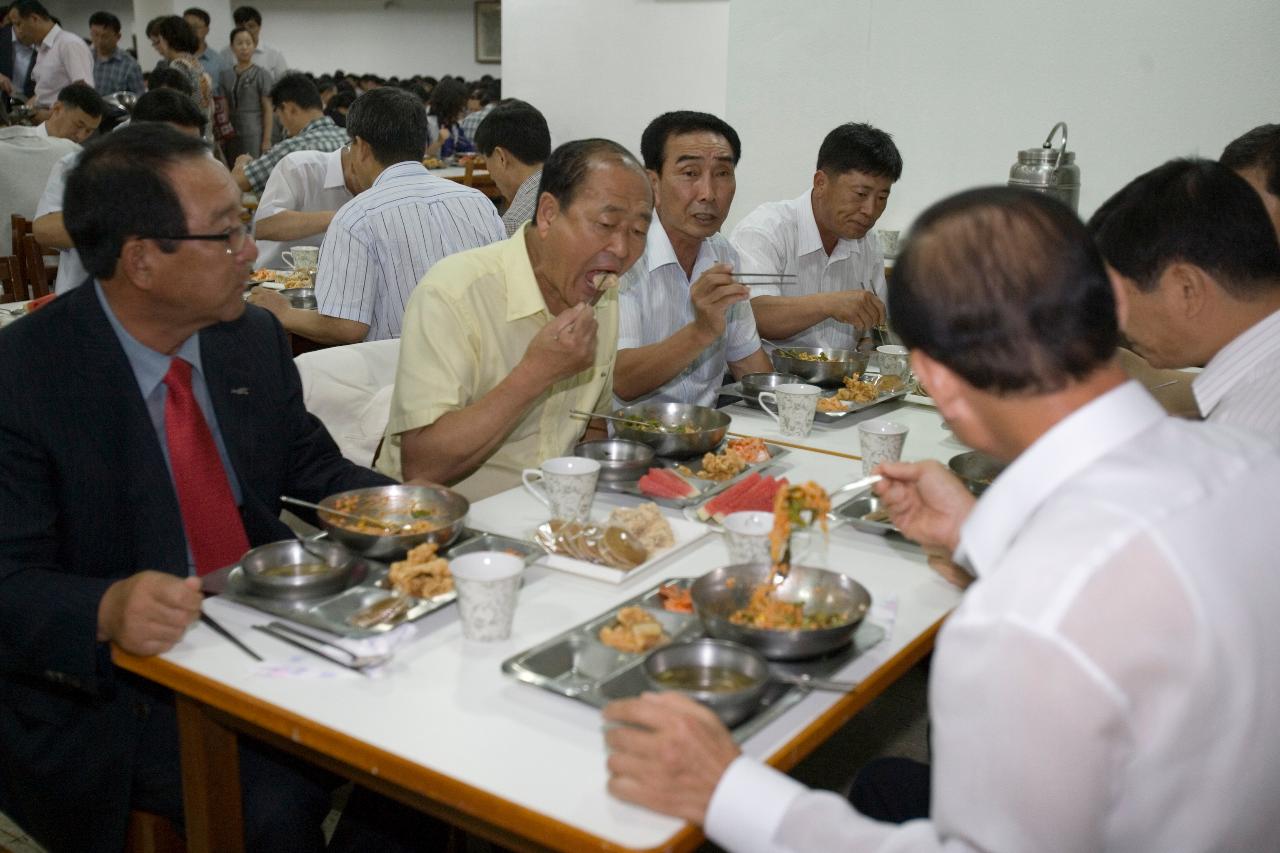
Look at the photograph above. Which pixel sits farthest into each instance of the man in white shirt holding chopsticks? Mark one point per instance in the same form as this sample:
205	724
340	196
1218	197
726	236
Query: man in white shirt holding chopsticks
1112	678
825	239
1196	267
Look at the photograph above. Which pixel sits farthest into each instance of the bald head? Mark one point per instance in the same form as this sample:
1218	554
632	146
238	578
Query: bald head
1005	288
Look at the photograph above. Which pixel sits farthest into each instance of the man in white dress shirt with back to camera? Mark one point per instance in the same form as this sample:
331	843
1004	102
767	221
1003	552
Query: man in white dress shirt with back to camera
1111	680
301	197
825	239
683	319
1197	274
383	241
515	142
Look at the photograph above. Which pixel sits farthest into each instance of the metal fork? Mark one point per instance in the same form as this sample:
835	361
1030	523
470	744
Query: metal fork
286	633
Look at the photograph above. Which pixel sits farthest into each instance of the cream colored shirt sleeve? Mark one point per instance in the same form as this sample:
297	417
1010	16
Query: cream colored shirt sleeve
438	356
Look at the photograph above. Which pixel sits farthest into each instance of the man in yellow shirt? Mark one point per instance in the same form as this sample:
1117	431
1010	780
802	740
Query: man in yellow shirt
500	343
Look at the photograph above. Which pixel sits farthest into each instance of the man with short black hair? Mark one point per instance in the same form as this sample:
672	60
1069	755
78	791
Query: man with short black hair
515	141
1110	680
501	343
297	105
198	19
264	55
825	239
76	114
159	105
383	241
114	70
1255	156
303	194
684	320
480	103
1196	268
187	426
62	58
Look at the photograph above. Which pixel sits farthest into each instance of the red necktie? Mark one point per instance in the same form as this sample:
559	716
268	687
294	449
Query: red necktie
215	533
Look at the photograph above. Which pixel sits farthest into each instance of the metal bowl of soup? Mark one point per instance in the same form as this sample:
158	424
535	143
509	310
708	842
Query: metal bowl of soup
976	469
621	460
287	570
729	678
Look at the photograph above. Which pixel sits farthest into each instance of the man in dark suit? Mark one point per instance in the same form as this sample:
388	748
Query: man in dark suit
147	440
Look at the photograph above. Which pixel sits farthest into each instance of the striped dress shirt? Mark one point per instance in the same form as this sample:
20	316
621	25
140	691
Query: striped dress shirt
1241	384
654	304
383	241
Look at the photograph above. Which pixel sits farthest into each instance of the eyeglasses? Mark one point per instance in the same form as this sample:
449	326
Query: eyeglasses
234	237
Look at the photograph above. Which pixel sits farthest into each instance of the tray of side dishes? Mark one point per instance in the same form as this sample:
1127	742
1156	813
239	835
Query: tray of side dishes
688	469
578	665
366	589
820	417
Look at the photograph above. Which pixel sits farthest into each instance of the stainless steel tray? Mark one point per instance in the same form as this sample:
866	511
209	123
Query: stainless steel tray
852	513
575	664
330	613
713	487
735	390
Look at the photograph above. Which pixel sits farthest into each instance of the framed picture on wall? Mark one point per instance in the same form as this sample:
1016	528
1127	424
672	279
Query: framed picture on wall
488	31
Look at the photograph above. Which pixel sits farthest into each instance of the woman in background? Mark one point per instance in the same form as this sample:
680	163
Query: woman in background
447	105
176	42
247	87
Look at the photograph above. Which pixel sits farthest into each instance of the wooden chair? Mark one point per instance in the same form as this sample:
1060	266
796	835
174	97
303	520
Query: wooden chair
11	287
150	833
480	179
38	276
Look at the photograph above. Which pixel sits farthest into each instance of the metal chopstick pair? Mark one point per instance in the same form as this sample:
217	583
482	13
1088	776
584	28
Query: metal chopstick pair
767	277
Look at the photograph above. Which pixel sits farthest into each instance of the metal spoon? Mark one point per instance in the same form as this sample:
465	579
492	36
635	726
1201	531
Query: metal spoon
385	525
808	682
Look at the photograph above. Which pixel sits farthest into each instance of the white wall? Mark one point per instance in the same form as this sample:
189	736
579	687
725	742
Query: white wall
607	67
964	86
385	37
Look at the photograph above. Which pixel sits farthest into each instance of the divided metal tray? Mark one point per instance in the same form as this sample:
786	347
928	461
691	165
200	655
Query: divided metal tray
631	487
575	664
735	390
330	613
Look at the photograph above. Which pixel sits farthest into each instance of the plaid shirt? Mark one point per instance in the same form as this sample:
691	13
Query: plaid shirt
117	73
471	121
320	135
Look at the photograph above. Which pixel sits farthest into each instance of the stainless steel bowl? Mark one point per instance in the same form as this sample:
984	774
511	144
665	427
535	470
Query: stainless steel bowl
301	297
857	510
710	424
830	373
621	461
700	659
444	507
976	469
272	570
721	592
754	383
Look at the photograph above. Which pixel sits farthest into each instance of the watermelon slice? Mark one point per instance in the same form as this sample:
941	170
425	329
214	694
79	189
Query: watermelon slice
665	483
721	505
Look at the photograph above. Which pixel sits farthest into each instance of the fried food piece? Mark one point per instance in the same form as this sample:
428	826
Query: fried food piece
422	573
753	450
721	466
830	404
857	391
675	599
635	631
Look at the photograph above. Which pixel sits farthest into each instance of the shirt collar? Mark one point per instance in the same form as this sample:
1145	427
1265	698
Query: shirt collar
49	37
315	124
658	251
1232	363
42	129
149	366
1068	448
530	184
524	298
333	177
398	170
809	240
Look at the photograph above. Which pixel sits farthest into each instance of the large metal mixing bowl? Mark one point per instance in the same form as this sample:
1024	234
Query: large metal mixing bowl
830	373
444	508
721	592
710	427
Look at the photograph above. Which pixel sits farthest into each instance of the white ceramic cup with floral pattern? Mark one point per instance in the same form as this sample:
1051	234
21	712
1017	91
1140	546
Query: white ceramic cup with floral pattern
796	404
487	583
881	441
302	258
568	485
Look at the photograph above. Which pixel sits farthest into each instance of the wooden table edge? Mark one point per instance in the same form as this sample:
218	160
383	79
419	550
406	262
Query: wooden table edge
488	814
